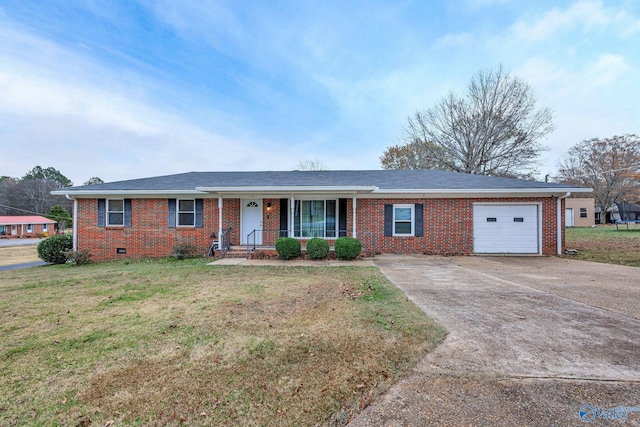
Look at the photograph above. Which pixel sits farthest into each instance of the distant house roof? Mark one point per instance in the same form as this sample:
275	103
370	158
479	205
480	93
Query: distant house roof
356	181
26	219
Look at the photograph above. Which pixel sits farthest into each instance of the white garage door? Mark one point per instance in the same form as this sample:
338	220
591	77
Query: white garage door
505	229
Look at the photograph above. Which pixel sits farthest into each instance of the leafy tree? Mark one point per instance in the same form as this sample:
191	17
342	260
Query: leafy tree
610	166
61	216
48	174
93	180
494	129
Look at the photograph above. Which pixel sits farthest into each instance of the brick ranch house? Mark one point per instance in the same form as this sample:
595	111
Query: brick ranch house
26	226
390	211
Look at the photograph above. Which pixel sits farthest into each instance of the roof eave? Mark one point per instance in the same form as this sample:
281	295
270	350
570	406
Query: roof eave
289	189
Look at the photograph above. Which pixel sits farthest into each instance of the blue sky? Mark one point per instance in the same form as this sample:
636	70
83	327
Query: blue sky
122	90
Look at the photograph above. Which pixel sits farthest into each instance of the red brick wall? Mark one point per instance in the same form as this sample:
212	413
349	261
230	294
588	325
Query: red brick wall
448	227
148	236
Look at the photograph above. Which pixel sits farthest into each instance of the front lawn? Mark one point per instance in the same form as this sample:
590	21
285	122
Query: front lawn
606	244
178	342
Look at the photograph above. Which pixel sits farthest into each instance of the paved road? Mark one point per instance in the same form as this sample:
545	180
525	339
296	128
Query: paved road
530	343
18	242
25	265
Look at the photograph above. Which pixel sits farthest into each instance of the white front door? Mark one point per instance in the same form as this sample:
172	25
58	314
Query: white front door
14	230
251	219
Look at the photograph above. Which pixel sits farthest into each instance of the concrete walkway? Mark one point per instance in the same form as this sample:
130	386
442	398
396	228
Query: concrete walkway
293	263
525	346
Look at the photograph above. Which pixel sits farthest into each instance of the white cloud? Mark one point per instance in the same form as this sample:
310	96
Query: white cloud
586	14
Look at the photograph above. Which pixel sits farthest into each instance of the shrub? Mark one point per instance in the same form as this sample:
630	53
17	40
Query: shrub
43	235
80	257
184	250
317	248
288	247
51	250
348	247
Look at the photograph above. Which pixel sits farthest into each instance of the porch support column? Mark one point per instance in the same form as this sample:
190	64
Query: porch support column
354	216
220	220
291	212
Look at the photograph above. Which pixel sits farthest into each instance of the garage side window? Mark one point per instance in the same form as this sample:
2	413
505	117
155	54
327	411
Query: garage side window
403	224
583	212
404	220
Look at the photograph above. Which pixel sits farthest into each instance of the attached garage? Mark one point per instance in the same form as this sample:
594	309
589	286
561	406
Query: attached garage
501	228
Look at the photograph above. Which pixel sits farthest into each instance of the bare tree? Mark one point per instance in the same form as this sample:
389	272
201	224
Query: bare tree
610	166
310	165
494	129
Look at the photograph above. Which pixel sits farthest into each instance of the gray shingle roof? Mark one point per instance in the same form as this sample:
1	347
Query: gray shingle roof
383	179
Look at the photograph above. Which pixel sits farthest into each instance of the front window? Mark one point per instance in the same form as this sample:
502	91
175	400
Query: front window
45	228
403	220
583	212
29	228
115	212
186	212
315	218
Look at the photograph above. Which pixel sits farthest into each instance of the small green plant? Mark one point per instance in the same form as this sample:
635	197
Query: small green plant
348	247
52	249
184	250
81	257
317	248
288	247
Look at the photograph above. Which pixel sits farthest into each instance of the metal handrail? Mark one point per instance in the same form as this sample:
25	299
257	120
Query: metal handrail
225	242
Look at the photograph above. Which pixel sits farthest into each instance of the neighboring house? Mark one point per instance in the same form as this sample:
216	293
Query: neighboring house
25	226
625	211
390	211
580	212
619	211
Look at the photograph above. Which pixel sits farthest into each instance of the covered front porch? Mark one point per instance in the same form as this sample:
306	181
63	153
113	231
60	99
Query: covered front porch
250	222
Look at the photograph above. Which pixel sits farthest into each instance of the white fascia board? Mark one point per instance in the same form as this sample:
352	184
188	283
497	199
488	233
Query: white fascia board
475	193
288	189
141	193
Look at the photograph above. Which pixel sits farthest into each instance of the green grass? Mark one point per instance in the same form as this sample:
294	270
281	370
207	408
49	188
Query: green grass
606	244
178	342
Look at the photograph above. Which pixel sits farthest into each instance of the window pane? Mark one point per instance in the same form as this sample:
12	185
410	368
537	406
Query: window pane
403	228
403	214
331	218
186	219
296	219
116	205
186	205
116	218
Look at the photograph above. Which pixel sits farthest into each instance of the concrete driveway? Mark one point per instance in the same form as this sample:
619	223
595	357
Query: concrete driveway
532	341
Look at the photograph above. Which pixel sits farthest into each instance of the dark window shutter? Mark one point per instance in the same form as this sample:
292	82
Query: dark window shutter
284	217
127	212
388	220
171	221
101	212
198	220
342	217
419	223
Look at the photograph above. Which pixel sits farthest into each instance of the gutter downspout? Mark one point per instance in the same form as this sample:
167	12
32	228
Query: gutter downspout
353	203
559	215
75	221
